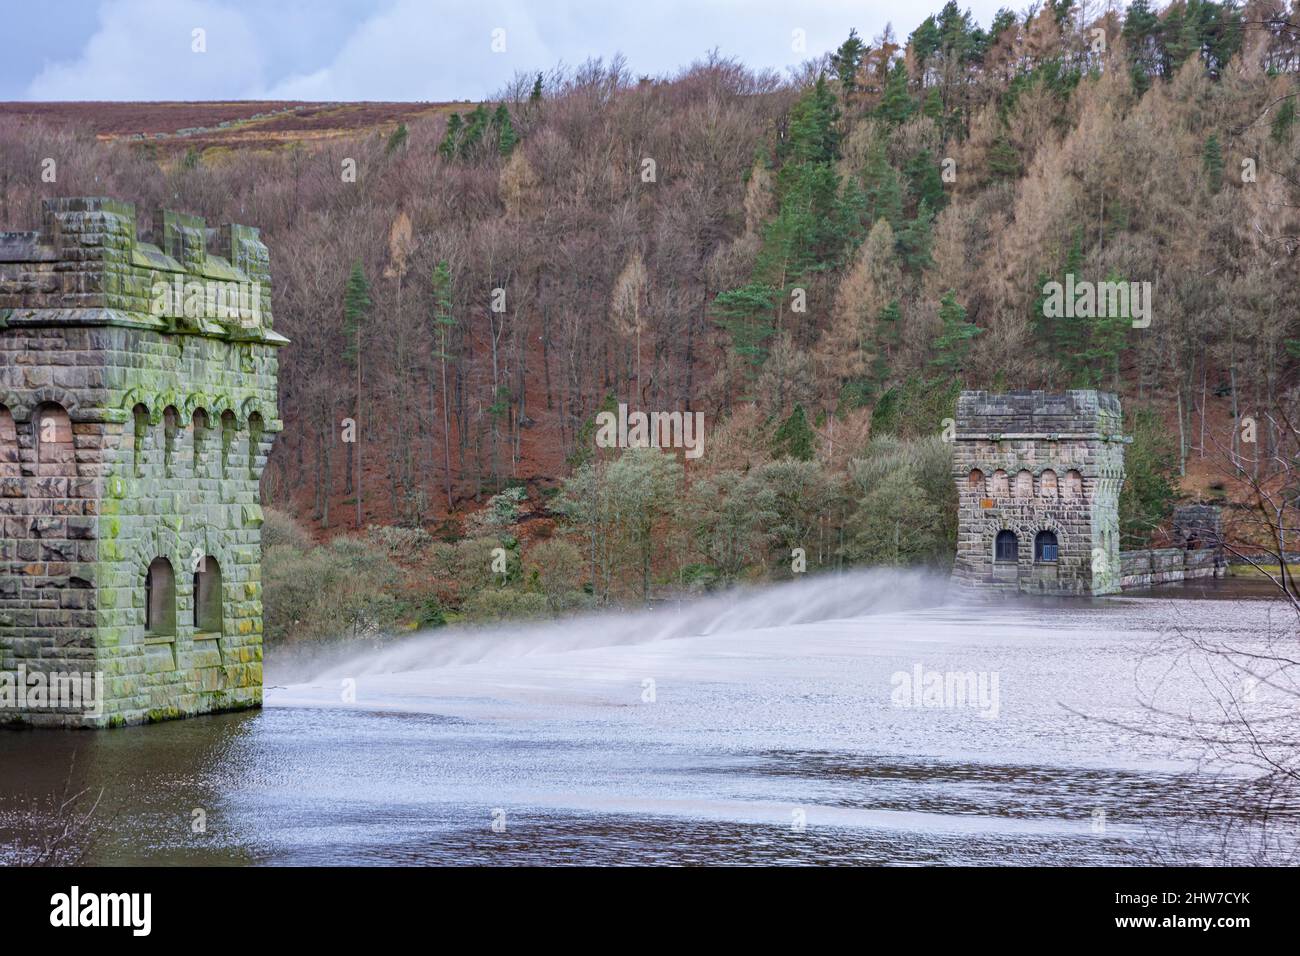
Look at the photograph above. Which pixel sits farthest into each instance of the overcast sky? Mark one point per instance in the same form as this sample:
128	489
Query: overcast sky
400	49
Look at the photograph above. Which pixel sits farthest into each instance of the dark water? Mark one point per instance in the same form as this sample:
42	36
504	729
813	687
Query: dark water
753	729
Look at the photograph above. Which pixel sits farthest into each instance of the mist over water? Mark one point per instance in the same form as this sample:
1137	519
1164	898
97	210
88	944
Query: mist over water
824	597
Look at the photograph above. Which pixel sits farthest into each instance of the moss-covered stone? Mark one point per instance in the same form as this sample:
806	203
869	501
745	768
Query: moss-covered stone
156	431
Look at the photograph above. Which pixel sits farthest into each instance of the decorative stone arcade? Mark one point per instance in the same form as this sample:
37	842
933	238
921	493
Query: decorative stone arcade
137	407
1038	480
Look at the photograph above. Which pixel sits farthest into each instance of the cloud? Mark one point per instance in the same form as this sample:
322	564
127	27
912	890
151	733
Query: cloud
423	51
143	49
431	49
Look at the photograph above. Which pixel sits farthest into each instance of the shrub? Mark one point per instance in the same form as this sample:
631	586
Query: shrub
556	566
343	589
280	528
504	604
398	542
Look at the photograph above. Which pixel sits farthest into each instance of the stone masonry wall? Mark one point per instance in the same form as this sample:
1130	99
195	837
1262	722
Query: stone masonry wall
1167	565
1029	462
136	476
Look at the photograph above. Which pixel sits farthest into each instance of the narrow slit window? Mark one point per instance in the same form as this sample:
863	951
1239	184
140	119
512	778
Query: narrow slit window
200	428
160	599
207	596
140	416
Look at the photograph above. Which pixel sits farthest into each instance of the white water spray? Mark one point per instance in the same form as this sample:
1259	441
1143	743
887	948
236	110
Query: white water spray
821	598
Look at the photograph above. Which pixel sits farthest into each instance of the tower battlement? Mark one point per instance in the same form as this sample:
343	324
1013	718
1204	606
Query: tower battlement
1081	411
87	257
138	404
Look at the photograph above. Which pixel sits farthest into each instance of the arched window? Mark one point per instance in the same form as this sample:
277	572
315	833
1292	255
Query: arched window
140	415
254	442
1024	484
207	596
998	483
201	428
1073	484
227	441
9	458
1006	548
160	599
171	423
975	481
55	454
1044	546
1047	484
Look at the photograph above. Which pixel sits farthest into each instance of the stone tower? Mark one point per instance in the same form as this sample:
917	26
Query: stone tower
137	406
1038	480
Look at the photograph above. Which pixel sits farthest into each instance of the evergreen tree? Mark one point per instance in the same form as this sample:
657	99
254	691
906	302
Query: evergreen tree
1150	462
1109	335
1141	32
884	193
924	182
1283	121
396	140
356	306
953	343
451	138
914	240
795	438
814	126
475	126
506	135
847	60
1212	160
896	102
746	314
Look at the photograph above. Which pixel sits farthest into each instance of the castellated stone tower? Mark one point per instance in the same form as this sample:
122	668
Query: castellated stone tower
137	407
1038	479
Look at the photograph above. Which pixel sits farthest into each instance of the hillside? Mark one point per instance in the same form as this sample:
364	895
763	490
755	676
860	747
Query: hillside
166	128
811	263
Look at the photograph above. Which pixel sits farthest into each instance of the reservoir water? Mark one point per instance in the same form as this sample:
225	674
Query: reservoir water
865	718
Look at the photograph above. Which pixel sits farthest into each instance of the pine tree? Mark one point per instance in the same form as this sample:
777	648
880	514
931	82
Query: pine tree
814	126
506	135
1212	160
474	129
451	138
924	182
356	306
847	60
896	103
953	343
746	315
884	193
1108	339
914	240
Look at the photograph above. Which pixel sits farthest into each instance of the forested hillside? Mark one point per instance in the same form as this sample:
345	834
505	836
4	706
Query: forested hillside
818	263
